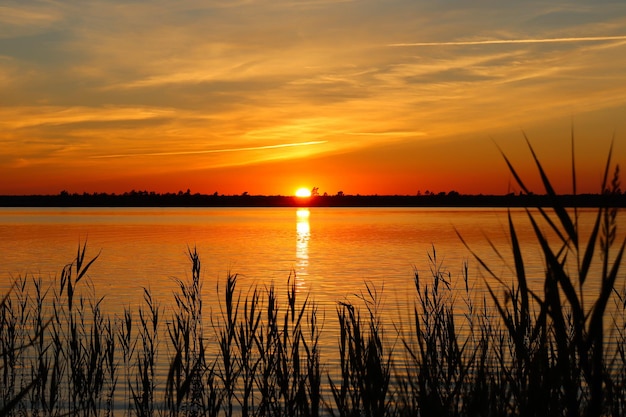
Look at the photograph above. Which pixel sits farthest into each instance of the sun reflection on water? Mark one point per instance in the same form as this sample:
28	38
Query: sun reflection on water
303	234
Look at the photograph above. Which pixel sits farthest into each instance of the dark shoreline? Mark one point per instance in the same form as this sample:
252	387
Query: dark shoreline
144	199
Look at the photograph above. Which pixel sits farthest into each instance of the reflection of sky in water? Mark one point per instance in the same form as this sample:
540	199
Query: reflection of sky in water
144	247
303	234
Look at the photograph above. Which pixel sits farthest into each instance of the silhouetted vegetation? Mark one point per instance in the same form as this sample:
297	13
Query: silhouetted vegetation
450	199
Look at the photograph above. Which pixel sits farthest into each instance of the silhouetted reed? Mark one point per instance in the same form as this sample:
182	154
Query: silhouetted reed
558	354
364	361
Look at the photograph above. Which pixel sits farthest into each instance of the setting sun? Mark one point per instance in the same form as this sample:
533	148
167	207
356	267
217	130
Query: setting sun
303	192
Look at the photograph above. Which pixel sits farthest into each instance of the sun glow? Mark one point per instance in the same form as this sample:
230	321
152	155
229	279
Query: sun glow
303	192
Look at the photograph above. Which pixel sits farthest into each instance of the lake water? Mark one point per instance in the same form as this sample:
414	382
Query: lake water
332	254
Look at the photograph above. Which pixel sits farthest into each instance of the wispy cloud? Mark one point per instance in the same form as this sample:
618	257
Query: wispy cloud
515	41
209	151
31	116
394	134
25	16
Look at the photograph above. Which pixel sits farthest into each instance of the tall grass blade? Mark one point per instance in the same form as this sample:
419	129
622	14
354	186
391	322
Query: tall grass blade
608	285
573	163
520	272
482	263
607	167
556	269
82	272
558	208
518	179
589	250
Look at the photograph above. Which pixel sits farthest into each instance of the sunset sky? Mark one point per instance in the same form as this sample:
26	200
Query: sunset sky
266	96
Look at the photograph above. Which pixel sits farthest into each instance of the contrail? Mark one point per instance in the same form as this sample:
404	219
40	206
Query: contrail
514	41
251	148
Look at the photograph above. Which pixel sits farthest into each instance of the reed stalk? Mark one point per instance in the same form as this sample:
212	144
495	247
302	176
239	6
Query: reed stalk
365	363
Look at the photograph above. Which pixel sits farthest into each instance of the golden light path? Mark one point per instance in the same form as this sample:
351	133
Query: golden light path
303	234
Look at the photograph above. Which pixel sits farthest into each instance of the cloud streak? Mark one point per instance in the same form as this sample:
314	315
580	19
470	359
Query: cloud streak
514	41
209	151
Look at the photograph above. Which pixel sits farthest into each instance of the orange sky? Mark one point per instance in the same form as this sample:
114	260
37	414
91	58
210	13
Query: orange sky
366	97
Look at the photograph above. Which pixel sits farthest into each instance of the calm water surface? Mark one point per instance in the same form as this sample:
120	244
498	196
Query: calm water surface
332	252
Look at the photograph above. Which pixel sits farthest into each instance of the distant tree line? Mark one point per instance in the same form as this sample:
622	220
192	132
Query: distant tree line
187	199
